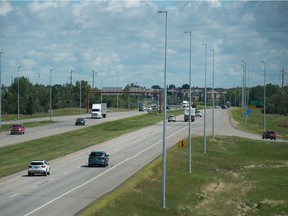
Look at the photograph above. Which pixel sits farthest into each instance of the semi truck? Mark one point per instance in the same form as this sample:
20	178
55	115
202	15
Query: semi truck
99	110
186	114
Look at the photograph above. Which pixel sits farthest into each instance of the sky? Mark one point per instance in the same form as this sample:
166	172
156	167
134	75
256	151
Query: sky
115	43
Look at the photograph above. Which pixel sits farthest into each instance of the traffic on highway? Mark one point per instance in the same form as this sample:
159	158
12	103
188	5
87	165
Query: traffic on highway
74	182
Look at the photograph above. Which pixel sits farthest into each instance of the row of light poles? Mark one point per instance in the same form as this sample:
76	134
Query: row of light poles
245	93
164	116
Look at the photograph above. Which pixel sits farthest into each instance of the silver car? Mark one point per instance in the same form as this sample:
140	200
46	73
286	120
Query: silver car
41	167
172	118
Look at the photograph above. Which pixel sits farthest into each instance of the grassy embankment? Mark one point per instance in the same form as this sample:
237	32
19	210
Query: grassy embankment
236	177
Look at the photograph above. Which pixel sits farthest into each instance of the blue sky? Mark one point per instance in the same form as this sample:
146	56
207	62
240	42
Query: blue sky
123	41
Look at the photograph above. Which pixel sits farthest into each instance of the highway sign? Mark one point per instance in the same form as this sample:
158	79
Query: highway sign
182	143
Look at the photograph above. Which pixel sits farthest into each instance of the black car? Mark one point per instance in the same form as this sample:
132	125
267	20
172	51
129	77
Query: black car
98	158
80	121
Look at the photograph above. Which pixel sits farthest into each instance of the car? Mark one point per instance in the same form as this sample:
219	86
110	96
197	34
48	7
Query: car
198	114
269	134
172	118
80	121
17	129
98	158
41	167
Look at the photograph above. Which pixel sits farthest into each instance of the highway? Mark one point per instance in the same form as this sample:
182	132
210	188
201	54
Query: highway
62	124
72	185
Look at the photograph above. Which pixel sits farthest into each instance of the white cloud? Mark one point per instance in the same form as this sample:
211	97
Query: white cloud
5	8
128	37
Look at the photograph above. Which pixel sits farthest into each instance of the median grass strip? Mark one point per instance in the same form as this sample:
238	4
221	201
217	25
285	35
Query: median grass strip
16	157
237	176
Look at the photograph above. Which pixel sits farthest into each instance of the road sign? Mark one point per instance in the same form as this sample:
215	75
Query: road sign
256	103
248	111
182	143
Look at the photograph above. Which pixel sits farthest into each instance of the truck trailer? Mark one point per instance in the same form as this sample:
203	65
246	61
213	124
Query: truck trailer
99	111
186	114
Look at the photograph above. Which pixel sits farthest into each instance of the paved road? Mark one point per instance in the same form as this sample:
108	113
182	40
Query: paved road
72	185
63	124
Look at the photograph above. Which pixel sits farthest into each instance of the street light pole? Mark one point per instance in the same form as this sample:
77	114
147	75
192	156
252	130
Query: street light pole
245	93
80	98
264	111
205	99
18	99
0	93
189	128
117	91
164	120
213	99
50	106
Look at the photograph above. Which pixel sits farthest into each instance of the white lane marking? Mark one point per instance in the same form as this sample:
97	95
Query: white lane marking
101	174
15	195
34	186
66	172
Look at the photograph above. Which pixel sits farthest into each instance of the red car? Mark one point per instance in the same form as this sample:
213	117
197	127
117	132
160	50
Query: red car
269	135
17	129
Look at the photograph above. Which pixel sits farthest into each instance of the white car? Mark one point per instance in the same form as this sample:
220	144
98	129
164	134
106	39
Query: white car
39	167
198	114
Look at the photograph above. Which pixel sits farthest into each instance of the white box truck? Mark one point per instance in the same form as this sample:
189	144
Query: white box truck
186	114
99	110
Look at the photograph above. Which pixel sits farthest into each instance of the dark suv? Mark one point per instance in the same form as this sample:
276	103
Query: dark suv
268	134
98	158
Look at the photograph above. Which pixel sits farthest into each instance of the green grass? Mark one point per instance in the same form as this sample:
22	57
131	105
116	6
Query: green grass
278	123
236	177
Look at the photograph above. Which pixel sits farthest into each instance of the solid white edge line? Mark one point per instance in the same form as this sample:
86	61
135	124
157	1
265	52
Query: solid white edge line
87	182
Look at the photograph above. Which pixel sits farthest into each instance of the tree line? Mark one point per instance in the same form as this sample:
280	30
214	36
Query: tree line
35	98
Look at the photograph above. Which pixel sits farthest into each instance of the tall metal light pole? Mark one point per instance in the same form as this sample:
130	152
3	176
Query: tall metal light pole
50	105
245	94
80	98
164	120
189	128
205	99
18	99
0	93
213	97
117	91
264	105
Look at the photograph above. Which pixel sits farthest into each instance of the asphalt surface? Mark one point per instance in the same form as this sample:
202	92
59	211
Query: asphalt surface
72	185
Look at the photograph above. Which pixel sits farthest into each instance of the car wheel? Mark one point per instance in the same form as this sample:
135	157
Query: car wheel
45	173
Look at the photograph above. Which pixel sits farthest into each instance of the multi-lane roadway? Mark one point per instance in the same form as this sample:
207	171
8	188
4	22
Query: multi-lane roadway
72	185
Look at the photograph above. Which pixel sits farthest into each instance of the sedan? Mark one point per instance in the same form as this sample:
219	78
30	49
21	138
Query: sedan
17	129
80	121
198	114
172	118
96	158
41	167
